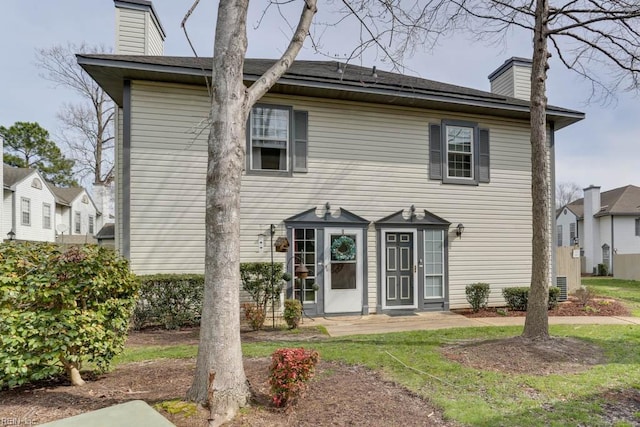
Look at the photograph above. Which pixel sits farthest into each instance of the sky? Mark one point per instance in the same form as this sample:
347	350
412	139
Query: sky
601	150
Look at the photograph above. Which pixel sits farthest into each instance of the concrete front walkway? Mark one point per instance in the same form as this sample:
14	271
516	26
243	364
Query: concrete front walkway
381	323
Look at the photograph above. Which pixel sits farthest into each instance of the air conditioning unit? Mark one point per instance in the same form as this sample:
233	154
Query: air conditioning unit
561	282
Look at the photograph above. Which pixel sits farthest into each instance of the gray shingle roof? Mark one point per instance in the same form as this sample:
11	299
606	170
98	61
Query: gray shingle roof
619	201
330	79
107	231
12	175
65	195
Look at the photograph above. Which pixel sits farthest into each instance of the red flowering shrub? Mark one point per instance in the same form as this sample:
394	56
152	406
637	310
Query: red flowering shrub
289	372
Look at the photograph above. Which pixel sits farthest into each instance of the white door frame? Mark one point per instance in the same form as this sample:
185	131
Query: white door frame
343	300
383	267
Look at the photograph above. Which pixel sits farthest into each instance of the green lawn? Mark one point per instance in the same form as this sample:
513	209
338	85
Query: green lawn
628	291
471	396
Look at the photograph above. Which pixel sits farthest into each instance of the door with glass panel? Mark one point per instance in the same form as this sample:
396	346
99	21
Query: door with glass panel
343	270
399	270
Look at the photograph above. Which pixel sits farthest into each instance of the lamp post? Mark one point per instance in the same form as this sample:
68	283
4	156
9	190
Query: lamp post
301	273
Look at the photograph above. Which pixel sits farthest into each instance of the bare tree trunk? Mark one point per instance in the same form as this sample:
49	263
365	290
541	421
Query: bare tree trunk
73	372
219	350
537	321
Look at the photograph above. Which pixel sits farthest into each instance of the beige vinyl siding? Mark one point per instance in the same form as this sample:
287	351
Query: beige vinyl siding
155	45
503	84
369	159
130	31
522	85
168	168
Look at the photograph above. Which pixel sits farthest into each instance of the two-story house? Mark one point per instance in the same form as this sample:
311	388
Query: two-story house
602	224
34	209
395	192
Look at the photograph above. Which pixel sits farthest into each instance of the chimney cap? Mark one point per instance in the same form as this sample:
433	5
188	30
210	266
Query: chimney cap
514	60
592	187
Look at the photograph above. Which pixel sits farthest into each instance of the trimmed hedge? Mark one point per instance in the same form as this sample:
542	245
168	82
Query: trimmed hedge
60	307
517	298
170	300
478	295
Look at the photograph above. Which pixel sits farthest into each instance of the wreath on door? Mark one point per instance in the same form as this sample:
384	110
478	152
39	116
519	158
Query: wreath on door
344	249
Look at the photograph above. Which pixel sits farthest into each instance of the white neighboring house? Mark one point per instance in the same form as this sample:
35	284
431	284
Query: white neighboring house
605	224
77	217
34	209
28	206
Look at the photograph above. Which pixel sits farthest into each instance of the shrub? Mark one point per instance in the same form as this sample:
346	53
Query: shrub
292	313
170	300
61	307
554	297
254	315
478	295
516	298
603	270
584	295
263	281
290	370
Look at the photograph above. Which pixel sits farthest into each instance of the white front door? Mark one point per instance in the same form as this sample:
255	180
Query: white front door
343	274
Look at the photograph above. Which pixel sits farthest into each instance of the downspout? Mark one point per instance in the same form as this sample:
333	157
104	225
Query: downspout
554	240
613	250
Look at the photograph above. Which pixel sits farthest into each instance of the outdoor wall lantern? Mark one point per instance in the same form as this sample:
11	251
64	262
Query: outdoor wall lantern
459	230
11	235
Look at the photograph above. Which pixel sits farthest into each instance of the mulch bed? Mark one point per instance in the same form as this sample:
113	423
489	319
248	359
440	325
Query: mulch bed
571	307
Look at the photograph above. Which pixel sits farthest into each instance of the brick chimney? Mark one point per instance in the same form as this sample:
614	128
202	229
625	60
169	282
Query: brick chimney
592	205
513	79
138	28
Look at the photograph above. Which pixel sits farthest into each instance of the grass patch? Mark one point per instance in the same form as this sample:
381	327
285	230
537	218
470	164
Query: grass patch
472	396
627	291
485	398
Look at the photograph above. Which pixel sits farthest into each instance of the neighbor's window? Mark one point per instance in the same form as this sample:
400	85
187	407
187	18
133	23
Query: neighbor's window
637	226
270	136
25	209
459	151
91	224
572	233
559	232
46	215
78	222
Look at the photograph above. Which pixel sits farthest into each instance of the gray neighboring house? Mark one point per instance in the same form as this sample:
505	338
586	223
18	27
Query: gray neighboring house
604	223
395	192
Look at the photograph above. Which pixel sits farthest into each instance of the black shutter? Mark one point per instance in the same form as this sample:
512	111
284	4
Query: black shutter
483	154
435	152
300	140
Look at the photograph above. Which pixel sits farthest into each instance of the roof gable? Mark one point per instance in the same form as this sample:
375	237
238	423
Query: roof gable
342	216
412	219
618	201
12	175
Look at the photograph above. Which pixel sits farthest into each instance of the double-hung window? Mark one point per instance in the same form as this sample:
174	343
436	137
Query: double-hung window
46	215
459	147
78	222
559	234
458	152
277	140
25	210
91	224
